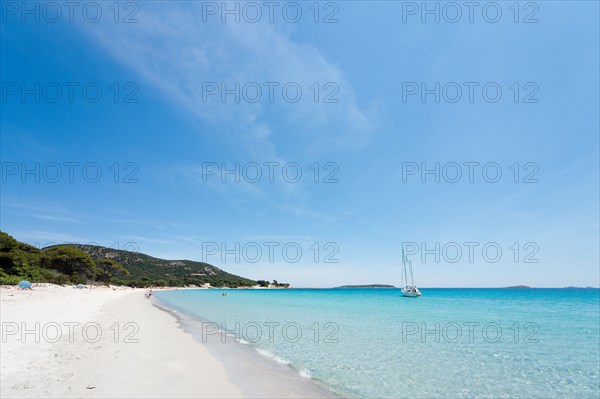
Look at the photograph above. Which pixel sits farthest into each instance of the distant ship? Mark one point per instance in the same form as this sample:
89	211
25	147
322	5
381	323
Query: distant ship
409	290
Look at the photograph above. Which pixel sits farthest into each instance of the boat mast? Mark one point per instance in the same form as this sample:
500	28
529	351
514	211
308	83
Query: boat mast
404	267
412	279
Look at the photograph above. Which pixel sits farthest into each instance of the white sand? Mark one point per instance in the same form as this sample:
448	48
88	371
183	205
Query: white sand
165	362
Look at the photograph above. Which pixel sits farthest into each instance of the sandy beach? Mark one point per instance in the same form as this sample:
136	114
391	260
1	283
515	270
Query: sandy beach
63	355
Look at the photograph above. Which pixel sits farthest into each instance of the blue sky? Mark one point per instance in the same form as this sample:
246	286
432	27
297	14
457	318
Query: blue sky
163	201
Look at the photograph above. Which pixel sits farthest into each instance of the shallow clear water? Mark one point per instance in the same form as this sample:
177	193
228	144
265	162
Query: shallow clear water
449	343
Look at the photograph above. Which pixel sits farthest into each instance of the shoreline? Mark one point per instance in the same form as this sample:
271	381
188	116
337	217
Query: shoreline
105	343
258	374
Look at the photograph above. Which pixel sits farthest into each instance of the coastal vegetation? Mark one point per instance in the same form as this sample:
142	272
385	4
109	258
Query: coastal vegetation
274	284
77	264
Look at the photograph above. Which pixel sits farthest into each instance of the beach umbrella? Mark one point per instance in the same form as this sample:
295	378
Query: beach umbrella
80	286
24	285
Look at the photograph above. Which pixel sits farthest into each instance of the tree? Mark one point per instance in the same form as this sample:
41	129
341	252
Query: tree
8	253
69	260
7	243
18	258
106	269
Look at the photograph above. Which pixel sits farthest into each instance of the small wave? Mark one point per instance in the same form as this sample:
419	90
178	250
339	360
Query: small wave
270	355
304	374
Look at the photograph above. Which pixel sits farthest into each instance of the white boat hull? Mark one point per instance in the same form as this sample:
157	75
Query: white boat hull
411	292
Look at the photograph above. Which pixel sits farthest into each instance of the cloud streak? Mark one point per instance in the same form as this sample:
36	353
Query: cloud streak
177	54
173	50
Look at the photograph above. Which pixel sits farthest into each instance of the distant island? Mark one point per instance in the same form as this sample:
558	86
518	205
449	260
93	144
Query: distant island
367	286
519	286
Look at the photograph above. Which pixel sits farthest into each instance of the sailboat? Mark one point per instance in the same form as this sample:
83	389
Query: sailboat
409	290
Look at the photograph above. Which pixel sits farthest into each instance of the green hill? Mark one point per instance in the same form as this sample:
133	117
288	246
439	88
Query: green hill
146	270
75	263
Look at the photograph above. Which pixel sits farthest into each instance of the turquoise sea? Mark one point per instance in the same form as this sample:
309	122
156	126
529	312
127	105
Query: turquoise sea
450	343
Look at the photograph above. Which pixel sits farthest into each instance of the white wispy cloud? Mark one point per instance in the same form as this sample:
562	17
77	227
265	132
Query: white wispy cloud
46	238
53	218
176	53
173	50
278	237
279	194
135	222
151	240
40	212
28	206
